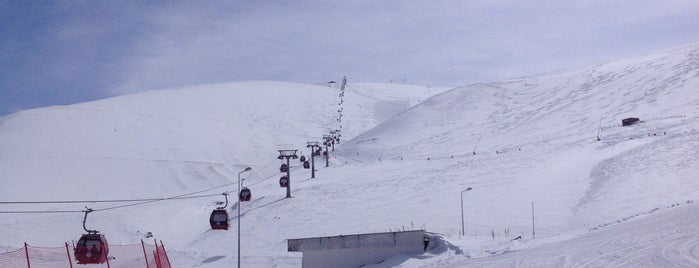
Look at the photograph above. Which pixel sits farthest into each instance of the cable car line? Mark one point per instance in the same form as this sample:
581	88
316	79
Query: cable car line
267	178
141	202
155	200
104	201
144	200
128	205
40	211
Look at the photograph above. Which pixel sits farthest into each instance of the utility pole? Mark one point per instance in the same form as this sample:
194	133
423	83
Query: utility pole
327	139
600	128
474	147
533	229
287	154
314	146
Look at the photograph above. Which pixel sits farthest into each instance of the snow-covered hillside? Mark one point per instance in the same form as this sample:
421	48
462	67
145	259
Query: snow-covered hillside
165	143
403	163
535	139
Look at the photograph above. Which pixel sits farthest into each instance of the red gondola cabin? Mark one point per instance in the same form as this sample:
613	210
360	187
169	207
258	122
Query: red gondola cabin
92	248
245	194
284	181
219	219
306	165
303	158
284	168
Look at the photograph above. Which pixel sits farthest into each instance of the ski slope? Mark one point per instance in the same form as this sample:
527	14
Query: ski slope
627	199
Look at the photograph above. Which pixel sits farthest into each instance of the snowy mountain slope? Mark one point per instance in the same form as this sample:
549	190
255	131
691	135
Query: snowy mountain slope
203	125
534	139
163	143
655	86
538	137
388	100
666	237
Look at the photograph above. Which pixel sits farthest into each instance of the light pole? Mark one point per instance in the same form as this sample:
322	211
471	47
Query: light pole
246	170
463	229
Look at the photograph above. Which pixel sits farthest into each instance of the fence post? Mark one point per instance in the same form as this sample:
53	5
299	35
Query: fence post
105	252
156	254
26	253
68	253
145	255
165	252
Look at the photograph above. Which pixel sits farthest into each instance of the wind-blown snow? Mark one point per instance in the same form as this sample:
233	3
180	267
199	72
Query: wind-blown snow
407	153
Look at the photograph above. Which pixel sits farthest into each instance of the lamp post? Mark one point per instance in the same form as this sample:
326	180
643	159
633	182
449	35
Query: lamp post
463	229
246	170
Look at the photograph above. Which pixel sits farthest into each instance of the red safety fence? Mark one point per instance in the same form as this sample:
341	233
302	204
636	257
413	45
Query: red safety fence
16	258
120	256
161	259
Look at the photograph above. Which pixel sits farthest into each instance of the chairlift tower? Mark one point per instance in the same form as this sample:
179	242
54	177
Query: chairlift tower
333	137
328	139
339	135
288	154
314	146
342	95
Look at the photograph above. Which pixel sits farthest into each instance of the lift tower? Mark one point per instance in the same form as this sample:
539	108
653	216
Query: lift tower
314	146
288	154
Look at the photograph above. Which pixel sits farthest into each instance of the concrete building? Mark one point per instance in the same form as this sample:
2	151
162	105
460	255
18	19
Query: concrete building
358	249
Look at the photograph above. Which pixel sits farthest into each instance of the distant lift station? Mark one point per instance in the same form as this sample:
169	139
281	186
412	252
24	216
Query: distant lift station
629	121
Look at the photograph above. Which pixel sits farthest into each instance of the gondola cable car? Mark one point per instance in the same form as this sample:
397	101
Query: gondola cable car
284	168
219	217
92	248
306	165
245	194
284	181
303	158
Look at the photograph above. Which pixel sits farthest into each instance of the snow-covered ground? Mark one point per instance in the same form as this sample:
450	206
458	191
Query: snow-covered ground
408	152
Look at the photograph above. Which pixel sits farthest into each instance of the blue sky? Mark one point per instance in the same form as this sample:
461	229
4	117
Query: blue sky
63	52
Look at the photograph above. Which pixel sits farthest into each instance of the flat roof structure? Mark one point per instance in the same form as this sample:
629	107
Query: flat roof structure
358	249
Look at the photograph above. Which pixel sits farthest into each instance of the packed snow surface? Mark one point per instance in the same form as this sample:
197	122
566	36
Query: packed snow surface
548	146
